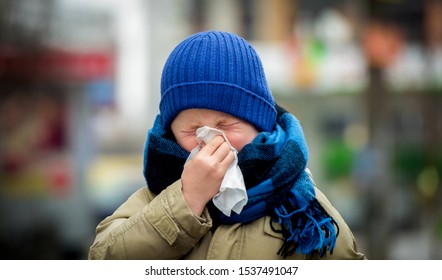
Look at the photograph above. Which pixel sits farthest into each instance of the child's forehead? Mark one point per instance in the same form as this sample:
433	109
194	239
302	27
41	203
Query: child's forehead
205	113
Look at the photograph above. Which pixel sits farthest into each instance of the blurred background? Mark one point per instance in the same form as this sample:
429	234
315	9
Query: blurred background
79	88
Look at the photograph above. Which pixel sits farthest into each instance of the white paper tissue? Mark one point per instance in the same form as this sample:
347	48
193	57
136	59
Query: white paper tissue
232	195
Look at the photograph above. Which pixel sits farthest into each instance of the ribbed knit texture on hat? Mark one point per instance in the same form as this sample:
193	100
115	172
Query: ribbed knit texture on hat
219	71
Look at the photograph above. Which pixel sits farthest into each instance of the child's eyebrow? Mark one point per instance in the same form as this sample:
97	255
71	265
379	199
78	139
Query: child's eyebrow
193	123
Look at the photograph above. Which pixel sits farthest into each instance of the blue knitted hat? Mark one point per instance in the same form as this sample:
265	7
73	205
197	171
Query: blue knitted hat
218	71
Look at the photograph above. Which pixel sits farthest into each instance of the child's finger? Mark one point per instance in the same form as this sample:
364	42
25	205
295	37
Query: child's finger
222	151
212	146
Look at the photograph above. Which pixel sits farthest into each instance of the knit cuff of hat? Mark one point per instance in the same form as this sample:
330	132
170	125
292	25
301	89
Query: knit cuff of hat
224	97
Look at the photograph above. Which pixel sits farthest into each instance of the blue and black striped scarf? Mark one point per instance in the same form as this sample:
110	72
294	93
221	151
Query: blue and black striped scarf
273	166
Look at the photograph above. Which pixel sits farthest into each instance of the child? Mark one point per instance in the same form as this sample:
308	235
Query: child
216	79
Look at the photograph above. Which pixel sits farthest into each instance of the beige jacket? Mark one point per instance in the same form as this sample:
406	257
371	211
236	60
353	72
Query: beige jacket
163	227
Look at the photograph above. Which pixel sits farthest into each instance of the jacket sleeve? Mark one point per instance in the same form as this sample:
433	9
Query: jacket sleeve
150	227
346	247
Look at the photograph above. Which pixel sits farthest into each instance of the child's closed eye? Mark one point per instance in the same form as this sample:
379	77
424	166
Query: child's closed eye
227	125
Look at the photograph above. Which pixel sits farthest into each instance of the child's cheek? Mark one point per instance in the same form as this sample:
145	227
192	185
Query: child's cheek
236	140
187	143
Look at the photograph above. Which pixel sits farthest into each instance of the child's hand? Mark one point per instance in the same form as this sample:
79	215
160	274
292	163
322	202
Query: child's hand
202	176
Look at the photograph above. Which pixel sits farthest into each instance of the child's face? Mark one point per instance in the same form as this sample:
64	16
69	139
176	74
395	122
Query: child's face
184	126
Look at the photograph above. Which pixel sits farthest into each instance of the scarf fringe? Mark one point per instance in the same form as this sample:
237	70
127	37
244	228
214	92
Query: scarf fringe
306	227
